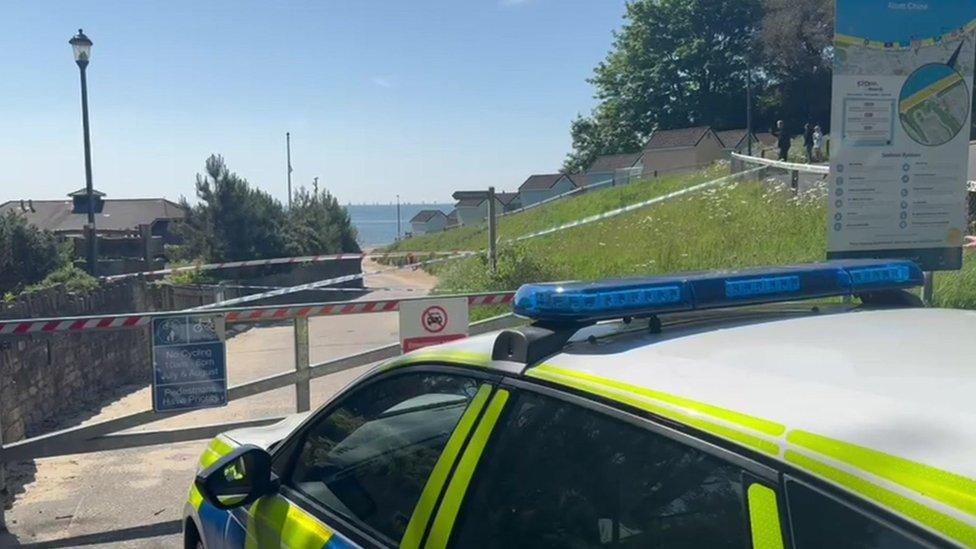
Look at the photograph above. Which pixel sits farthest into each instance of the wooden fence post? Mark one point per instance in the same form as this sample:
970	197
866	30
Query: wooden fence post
302	387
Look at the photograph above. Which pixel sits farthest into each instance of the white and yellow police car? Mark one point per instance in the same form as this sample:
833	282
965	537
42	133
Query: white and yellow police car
705	410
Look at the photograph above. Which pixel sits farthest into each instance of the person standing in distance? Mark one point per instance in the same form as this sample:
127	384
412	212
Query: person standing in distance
782	139
818	142
808	141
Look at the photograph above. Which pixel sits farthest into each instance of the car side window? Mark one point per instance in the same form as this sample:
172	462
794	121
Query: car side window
369	458
556	474
819	520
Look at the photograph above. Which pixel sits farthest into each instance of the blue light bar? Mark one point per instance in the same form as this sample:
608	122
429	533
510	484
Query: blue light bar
609	299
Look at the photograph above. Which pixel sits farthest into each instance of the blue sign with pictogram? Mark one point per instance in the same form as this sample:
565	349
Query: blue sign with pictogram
189	363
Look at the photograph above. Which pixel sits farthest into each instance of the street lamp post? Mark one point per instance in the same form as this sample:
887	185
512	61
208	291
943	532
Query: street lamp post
81	45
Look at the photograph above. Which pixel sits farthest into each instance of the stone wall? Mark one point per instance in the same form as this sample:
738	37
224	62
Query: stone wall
45	376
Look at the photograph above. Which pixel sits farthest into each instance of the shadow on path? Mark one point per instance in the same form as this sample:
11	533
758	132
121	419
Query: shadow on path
125	534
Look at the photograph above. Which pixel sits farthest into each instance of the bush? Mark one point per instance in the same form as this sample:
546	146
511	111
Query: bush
74	280
191	277
516	266
317	224
27	254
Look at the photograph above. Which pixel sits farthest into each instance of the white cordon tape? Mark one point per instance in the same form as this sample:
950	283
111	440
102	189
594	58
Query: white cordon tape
639	205
277	261
789	166
78	324
321	283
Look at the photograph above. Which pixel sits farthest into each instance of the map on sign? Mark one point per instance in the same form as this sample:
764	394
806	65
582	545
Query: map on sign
900	111
934	104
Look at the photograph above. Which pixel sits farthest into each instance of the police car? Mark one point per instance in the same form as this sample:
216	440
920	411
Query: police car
705	410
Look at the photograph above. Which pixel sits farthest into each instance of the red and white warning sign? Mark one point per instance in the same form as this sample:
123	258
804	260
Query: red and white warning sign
426	322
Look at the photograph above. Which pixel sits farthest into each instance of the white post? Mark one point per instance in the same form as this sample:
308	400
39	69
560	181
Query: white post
492	230
928	289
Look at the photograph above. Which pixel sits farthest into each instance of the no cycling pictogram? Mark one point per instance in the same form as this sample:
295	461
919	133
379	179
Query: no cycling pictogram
434	319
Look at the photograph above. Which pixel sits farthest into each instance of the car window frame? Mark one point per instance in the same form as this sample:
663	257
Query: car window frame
752	471
856	504
769	471
287	451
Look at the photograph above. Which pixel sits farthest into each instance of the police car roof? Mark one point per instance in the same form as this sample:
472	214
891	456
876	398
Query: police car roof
899	381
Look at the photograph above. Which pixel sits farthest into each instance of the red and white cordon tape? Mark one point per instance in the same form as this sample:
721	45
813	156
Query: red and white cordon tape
350	308
17	327
282	261
78	324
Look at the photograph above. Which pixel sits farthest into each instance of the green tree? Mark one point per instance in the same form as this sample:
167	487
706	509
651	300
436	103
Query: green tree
317	224
674	64
233	221
797	40
27	254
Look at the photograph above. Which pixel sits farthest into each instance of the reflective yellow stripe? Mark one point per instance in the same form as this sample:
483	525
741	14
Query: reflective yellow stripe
757	424
218	448
953	490
946	525
195	498
764	518
440	532
276	522
461	358
948	488
425	506
690	413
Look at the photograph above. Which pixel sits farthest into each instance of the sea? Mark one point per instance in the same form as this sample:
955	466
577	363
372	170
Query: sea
376	224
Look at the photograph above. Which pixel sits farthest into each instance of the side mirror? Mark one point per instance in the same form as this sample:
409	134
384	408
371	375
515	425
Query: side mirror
239	478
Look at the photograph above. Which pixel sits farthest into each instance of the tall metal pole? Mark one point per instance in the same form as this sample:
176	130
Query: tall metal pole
749	109
398	218
288	152
492	237
89	191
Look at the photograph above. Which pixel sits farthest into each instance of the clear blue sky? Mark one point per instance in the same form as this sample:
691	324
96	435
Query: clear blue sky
420	97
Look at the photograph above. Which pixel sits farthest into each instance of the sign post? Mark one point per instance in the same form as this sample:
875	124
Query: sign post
189	362
426	322
902	81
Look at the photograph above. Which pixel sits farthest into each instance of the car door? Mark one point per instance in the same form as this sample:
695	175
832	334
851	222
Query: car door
367	469
562	471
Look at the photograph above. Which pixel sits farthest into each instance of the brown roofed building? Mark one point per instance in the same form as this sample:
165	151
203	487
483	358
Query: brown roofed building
472	206
452	220
545	186
618	169
120	215
681	150
428	221
735	141
127	228
510	201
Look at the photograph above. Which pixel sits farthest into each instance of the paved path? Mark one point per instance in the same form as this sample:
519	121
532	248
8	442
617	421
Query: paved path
134	497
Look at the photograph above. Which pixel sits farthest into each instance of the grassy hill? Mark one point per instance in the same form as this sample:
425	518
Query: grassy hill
750	223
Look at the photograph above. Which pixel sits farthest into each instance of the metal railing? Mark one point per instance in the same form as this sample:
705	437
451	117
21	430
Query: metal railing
793	168
107	435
